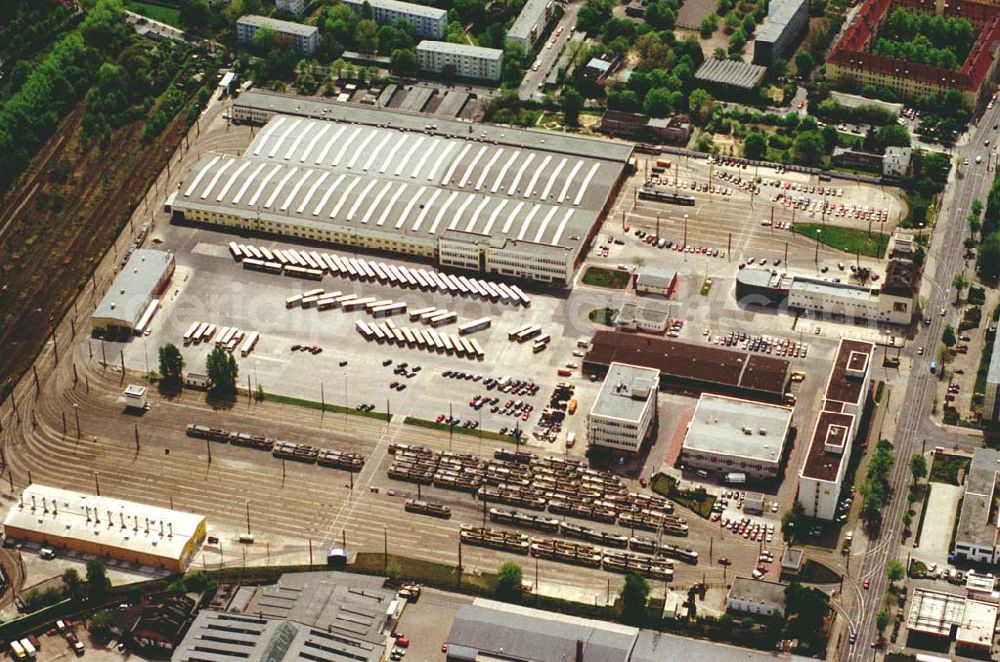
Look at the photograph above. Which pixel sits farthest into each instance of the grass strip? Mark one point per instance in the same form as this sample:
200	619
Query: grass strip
328	407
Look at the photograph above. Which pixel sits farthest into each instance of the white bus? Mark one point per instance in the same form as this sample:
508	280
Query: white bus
266	252
363	329
538	346
318	259
495	293
377	332
235	250
379	273
438	343
449	347
327	301
318	292
389	310
509	294
356	304
280	257
199	333
400	337
330	264
349	268
227	336
368	270
293	301
346	298
249	343
147	317
513	335
462	284
255	252
529	333
475	325
341	265
421	281
443	318
209	333
18	650
521	295
420	312
307	302
544	338
409	337
310	262
476	347
369	307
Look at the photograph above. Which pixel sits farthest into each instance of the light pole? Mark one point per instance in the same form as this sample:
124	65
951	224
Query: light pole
76	414
819	233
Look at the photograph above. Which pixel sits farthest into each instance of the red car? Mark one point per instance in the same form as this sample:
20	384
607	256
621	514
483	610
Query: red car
867	584
725	561
440	417
642	481
402	641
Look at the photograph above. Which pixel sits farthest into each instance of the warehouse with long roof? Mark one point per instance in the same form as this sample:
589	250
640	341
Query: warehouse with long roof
130	532
499	200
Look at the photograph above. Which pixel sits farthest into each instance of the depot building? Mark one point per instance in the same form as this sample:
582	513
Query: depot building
130	532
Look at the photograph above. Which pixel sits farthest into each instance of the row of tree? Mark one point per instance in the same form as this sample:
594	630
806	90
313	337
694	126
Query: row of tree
220	366
875	490
919	49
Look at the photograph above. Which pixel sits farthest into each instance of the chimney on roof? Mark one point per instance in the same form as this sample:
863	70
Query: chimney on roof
32	501
123	518
45	505
147	525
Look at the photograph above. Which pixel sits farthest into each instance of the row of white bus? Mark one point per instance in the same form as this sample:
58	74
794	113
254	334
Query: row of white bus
310	264
227	337
429	339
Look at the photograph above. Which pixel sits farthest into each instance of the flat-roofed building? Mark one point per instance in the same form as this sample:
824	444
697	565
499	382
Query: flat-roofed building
756	596
428	22
465	61
647	316
844	401
126	531
730	74
991	401
786	20
504	201
655	280
971	623
529	24
727	434
624	412
976	536
293	6
692	366
144	275
302	38
981	586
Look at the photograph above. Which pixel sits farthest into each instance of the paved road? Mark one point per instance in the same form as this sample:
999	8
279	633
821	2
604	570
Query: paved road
944	260
548	54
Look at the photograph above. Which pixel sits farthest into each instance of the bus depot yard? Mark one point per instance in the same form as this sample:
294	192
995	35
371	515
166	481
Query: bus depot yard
454	406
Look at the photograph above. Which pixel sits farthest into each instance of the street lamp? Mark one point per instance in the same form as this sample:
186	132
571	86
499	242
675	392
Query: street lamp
819	233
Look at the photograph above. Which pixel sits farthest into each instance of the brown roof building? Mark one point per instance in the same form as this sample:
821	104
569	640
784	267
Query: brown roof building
689	366
844	402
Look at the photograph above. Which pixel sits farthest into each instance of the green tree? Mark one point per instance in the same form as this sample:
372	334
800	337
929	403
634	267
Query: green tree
97	578
793	520
907	519
171	363
702	105
508	583
221	368
572	104
881	620
959	282
393	570
755	146
948	336
403	62
806	609
808	148
366	36
804	62
658	102
100	622
71	580
634	594
194	15
918	466
894	570
989	257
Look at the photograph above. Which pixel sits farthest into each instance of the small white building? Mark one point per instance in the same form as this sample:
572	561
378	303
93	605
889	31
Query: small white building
135	396
896	162
643	316
756	596
464	60
625	410
655	280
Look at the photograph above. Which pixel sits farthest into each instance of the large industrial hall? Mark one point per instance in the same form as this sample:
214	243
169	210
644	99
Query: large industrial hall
511	202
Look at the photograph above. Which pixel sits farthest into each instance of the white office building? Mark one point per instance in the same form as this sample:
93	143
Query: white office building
465	61
844	401
530	24
625	410
294	6
976	538
428	22
302	38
